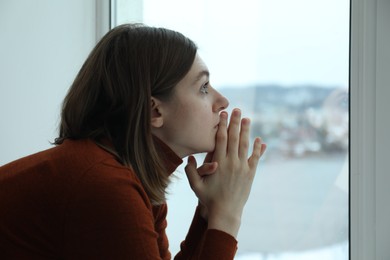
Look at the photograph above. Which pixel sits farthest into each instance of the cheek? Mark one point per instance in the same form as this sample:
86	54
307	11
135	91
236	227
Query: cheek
195	116
202	117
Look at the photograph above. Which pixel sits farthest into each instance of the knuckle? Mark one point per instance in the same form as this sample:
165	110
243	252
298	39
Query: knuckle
195	187
257	154
221	136
188	168
244	144
233	137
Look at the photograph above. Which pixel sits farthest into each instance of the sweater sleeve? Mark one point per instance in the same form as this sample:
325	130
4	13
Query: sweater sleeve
160	215
203	243
109	216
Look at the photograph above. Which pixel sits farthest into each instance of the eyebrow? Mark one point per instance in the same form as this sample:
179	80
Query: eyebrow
201	74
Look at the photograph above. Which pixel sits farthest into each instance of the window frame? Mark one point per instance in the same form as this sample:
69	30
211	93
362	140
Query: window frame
369	58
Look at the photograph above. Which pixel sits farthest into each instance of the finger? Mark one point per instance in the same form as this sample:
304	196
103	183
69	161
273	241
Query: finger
256	153
263	148
209	157
207	169
244	138
192	174
234	133
221	137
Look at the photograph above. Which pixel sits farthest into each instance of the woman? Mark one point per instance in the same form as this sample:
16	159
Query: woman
141	102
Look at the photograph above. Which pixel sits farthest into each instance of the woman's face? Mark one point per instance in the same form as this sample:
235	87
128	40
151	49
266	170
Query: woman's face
189	119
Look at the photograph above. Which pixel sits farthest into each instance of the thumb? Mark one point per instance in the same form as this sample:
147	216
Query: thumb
192	174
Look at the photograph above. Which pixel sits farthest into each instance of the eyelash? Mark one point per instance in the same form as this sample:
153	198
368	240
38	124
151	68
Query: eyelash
203	89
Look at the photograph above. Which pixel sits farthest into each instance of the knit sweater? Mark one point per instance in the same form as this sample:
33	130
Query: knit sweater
76	201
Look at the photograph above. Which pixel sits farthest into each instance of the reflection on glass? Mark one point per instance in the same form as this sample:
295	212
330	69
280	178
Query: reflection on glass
285	64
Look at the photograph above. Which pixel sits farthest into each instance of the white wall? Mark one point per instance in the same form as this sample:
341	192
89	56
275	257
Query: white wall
43	43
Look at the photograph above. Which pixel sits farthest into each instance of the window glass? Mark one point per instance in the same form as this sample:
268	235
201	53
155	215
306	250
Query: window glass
285	64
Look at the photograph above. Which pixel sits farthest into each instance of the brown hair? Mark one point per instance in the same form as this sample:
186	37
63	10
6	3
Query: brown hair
111	96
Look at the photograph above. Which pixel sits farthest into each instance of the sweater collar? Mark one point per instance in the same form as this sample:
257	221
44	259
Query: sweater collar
170	159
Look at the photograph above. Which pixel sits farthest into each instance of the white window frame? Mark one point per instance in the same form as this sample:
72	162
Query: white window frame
103	17
370	127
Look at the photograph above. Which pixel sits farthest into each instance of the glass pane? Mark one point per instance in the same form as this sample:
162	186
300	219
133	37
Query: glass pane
285	64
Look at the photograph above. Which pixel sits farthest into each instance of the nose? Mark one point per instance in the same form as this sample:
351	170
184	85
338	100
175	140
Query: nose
220	103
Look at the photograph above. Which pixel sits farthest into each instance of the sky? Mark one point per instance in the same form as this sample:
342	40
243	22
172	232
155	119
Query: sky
251	42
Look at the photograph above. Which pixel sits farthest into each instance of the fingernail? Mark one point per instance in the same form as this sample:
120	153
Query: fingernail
236	111
245	121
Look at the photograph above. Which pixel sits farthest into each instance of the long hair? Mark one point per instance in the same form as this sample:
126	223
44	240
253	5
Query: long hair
110	98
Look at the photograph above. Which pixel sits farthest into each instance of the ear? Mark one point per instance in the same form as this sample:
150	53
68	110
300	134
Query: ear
156	117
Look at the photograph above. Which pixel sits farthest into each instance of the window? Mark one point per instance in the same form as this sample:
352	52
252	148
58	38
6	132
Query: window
285	64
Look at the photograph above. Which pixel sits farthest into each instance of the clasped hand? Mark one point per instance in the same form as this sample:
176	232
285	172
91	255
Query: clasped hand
223	183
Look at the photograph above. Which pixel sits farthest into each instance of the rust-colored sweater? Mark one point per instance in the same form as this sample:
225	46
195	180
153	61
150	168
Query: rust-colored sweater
76	201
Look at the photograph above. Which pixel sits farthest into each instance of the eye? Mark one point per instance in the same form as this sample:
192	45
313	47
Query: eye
204	88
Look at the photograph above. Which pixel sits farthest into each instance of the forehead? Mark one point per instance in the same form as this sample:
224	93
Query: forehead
198	69
199	63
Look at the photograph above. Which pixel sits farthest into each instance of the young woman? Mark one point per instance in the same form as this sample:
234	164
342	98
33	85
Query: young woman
141	102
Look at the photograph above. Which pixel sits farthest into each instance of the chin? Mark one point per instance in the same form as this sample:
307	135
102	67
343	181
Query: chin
205	149
210	149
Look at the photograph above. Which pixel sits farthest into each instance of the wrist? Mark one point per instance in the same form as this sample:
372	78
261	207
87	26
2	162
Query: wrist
229	223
